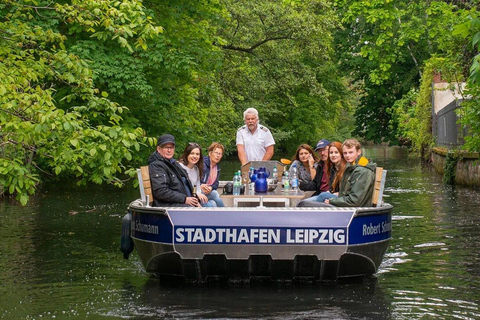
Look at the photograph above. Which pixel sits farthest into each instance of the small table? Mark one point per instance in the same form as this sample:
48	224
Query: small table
275	196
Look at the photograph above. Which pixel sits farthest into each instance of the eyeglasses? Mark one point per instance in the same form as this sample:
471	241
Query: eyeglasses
194	144
168	148
217	153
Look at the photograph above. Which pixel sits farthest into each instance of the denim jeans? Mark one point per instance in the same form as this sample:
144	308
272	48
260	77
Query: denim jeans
209	204
321	197
215	197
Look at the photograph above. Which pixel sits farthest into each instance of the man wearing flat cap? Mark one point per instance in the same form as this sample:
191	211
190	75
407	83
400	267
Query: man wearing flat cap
322	151
170	184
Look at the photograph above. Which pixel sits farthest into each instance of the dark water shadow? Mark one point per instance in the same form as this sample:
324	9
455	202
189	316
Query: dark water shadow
347	299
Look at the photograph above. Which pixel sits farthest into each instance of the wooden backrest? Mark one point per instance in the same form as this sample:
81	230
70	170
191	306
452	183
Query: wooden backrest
145	185
280	167
378	187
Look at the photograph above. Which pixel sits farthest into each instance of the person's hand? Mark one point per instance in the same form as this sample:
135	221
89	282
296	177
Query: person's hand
203	198
311	161
192	201
206	189
327	201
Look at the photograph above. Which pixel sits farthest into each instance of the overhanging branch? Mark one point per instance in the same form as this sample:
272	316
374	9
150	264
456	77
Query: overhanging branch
256	45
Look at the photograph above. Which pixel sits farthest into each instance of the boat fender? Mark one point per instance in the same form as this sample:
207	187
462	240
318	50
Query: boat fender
126	242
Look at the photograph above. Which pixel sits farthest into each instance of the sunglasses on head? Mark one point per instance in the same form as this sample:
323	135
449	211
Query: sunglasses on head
194	144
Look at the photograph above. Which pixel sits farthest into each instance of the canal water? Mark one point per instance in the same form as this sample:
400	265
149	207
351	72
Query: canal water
60	259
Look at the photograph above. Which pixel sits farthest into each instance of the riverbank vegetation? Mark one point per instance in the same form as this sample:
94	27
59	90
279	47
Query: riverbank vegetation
87	85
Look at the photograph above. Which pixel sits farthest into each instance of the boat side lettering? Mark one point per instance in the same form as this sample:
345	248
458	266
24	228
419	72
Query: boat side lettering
146	228
381	227
226	235
231	235
316	236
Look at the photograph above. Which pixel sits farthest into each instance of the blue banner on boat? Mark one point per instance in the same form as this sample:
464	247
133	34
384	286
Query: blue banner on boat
368	229
243	235
152	227
283	227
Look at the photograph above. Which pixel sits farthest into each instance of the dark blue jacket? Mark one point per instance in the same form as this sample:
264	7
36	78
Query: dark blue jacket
206	173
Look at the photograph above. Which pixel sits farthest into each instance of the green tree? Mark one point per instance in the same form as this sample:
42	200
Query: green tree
470	111
278	59
171	85
385	45
53	121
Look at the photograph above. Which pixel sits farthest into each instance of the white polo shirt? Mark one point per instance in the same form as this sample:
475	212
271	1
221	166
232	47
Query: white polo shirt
255	144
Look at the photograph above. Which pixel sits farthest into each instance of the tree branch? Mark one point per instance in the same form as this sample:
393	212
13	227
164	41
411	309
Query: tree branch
256	45
410	50
18	115
37	8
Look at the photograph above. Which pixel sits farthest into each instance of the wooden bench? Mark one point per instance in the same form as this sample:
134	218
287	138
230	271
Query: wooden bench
147	196
145	185
378	187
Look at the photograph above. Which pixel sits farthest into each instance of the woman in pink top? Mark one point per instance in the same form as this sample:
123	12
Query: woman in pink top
211	173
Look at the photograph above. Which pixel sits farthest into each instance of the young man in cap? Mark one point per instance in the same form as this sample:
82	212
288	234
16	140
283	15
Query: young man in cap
170	184
254	141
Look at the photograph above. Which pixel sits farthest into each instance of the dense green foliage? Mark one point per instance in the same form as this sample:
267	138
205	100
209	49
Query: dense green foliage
386	45
449	168
86	85
414	111
86	82
53	121
278	59
470	111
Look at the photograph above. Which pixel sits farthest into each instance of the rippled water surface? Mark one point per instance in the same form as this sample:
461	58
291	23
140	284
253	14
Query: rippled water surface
59	259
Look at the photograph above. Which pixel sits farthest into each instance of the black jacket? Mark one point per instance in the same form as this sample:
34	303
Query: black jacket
333	173
315	184
170	183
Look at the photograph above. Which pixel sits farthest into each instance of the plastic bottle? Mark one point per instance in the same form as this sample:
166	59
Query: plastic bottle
237	183
286	182
253	177
294	178
275	175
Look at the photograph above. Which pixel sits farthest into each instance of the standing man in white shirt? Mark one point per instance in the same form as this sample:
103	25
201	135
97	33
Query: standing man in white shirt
254	141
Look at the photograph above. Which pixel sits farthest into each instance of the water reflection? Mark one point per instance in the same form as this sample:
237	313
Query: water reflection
59	258
266	301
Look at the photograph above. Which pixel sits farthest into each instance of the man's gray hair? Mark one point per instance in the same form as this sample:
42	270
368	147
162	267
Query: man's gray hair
250	111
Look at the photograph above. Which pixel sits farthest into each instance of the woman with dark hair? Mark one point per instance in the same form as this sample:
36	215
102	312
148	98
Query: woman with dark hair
192	161
305	160
211	173
335	167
